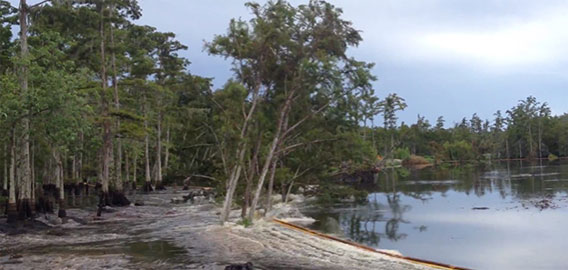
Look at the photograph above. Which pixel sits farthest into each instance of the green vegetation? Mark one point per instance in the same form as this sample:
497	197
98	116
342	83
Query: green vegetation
527	131
89	96
245	222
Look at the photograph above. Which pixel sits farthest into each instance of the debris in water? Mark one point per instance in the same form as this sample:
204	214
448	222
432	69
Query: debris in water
545	204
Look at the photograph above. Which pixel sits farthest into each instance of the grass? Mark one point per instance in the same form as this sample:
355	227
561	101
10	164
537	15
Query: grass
245	222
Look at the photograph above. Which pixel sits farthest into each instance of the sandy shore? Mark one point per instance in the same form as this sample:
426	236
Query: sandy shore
161	235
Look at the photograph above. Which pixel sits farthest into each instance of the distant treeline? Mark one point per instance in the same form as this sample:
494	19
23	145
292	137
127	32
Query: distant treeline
526	131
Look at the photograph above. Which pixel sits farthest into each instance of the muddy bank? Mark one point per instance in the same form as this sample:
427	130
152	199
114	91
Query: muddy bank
162	235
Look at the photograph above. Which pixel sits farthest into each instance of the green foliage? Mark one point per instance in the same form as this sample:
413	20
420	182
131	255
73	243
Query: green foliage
459	151
401	153
7	19
245	222
526	131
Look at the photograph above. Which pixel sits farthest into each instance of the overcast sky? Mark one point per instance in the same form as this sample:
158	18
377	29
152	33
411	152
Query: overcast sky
445	57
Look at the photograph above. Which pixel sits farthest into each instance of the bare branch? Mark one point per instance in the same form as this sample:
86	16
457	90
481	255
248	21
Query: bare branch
38	4
304	120
291	147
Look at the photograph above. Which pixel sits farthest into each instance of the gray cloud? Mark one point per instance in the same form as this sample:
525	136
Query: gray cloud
446	57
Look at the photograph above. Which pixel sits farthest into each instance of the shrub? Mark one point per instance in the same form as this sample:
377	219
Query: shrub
401	153
415	160
245	222
460	150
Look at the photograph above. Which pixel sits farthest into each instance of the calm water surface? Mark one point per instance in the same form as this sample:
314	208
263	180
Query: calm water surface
430	214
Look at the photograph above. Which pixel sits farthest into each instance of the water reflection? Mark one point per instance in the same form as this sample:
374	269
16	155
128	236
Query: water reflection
430	214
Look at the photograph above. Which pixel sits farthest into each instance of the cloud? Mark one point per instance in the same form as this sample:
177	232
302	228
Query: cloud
445	57
489	36
513	45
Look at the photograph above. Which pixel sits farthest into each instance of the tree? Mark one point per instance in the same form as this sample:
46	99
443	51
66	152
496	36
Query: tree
498	138
389	106
440	123
7	19
296	55
521	122
24	174
543	114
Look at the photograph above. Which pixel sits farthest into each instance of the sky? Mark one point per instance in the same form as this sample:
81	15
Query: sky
445	57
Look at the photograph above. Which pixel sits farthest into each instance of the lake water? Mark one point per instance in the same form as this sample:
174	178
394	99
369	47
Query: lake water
504	216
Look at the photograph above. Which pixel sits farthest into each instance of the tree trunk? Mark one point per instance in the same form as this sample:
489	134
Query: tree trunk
271	184
282	121
118	185
263	174
148	182
25	210
107	136
80	161
74	169
127	169
246	198
240	154
32	176
134	169
167	154
5	178
233	179
59	178
159	184
12	207
285	198
154	172
250	174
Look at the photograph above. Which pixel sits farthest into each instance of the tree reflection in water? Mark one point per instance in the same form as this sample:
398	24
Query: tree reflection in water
388	215
364	224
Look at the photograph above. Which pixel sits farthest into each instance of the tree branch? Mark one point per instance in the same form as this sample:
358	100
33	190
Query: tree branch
291	147
304	119
38	4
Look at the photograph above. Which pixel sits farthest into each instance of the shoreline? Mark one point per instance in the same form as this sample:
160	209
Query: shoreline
192	236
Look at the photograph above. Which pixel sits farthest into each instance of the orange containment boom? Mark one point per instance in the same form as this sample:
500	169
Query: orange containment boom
326	236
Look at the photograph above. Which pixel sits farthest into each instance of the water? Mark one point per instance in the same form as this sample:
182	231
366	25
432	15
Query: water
522	221
159	235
